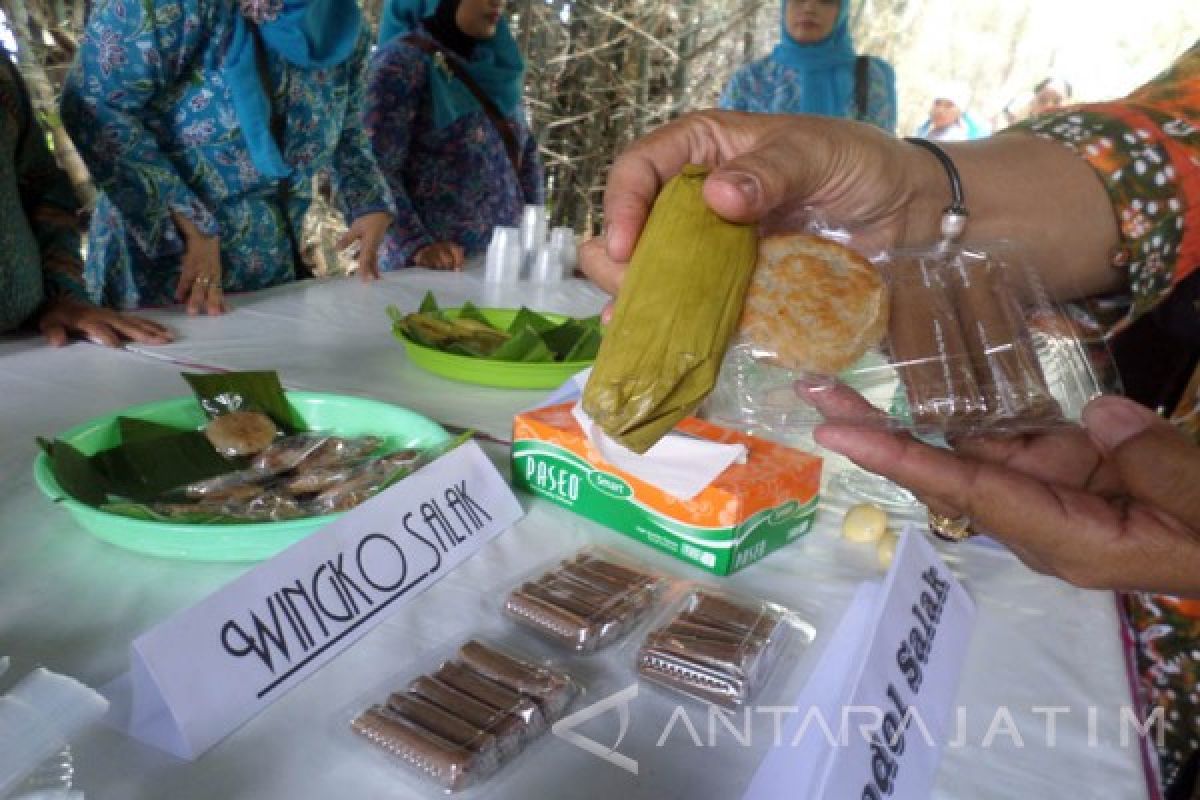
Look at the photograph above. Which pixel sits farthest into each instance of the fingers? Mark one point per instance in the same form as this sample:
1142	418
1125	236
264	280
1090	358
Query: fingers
599	267
837	401
137	329
55	333
1156	463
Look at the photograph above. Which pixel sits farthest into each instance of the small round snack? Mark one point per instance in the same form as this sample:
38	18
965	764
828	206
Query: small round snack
864	524
241	433
813	305
885	551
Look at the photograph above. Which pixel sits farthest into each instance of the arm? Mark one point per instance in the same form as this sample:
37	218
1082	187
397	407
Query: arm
533	179
395	85
359	182
132	53
881	100
51	206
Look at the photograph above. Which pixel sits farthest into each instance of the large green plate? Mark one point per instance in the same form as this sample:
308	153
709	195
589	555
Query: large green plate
485	371
339	414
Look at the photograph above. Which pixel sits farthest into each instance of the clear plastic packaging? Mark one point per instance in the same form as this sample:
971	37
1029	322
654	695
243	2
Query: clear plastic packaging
462	721
719	647
585	602
970	347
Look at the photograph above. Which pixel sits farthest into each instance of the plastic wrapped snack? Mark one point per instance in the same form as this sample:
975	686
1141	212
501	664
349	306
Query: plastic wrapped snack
961	351
314	451
459	724
717	647
586	602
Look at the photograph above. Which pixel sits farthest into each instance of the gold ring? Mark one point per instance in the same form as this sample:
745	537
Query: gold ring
204	281
949	528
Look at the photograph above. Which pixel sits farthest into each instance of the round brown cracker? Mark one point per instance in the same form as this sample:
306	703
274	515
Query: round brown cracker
813	305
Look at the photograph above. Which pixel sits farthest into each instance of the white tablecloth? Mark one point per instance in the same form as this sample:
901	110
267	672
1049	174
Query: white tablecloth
73	603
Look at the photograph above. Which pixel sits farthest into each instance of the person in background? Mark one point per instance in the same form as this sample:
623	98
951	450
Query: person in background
1049	95
815	70
445	119
41	277
949	120
1103	198
204	123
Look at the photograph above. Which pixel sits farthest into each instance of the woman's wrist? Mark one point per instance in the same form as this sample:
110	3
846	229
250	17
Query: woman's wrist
1034	193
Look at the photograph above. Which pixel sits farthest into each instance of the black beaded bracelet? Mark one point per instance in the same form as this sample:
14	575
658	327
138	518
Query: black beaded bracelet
954	216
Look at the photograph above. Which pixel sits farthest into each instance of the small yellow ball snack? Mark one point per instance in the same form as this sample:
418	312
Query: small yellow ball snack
864	523
886	549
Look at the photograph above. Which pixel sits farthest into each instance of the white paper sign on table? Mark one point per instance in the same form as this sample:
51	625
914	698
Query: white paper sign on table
200	675
895	694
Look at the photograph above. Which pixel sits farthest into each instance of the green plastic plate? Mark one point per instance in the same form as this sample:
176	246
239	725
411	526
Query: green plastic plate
486	372
338	414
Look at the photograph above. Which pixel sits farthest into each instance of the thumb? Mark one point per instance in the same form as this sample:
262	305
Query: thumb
352	235
748	188
1157	464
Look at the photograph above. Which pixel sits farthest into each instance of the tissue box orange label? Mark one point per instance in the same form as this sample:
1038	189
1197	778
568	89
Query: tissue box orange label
750	510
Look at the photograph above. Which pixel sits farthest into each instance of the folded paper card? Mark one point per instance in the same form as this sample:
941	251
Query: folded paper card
200	675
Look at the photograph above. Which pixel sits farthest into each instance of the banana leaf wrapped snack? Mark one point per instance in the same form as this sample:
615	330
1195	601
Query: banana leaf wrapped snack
677	309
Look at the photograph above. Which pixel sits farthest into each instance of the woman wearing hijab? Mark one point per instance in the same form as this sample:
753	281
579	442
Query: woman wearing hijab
445	119
814	70
204	122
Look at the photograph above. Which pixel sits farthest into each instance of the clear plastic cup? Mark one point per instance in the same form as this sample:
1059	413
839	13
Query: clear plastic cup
504	254
548	265
563	240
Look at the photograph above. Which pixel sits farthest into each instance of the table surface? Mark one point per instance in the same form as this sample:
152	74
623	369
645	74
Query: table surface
73	603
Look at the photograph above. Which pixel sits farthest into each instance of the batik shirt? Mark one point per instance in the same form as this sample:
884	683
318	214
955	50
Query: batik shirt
454	184
152	115
768	87
1146	150
38	233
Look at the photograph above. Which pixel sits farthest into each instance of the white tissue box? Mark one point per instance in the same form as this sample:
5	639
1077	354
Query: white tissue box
750	510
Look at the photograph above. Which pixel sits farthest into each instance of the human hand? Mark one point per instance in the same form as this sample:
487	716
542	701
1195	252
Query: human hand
368	230
440	255
200	274
1114	504
65	316
767	169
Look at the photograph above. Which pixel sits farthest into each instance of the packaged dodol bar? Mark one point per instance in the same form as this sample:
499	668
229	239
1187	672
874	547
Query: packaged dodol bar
587	601
720	647
467	716
943	341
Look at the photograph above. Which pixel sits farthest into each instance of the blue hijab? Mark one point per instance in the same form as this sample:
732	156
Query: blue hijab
311	34
496	64
825	68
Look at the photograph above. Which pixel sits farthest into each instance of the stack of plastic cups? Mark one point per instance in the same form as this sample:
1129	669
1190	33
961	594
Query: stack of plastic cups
37	718
563	240
533	233
504	256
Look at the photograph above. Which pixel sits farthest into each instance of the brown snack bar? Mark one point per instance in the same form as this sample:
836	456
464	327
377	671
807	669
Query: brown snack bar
443	762
728	657
553	690
546	617
627	575
928	350
711	609
442	723
688	624
696	680
1002	354
507	728
566	597
499	697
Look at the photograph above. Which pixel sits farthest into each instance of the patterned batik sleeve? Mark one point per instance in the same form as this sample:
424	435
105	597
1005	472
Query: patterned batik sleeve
733	97
1146	150
133	52
397	80
360	183
51	205
533	179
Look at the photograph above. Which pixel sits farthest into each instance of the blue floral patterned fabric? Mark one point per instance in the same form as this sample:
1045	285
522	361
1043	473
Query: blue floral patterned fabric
450	184
148	106
768	87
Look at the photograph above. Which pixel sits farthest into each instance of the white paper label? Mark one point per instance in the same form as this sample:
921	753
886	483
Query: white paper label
896	700
197	677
